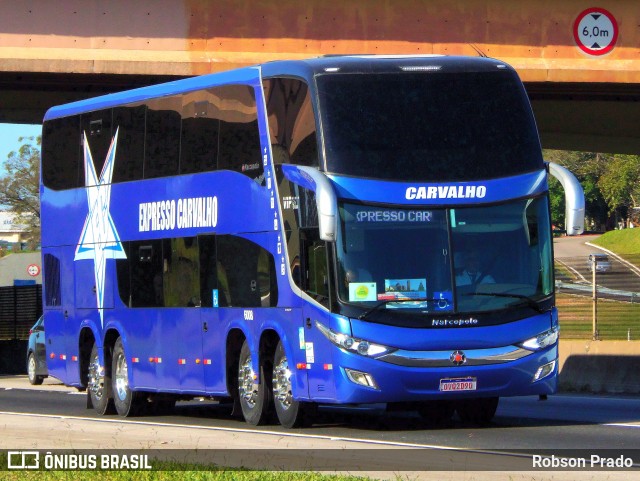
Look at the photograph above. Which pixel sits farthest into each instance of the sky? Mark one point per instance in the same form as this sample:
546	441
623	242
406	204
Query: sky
9	134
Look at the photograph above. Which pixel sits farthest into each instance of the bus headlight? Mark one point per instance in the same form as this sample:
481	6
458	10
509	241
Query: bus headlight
352	344
545	339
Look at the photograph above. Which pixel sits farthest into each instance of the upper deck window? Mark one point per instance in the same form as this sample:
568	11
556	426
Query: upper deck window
198	131
428	126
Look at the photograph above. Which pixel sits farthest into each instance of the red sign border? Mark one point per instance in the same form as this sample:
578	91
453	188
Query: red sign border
33	265
583	47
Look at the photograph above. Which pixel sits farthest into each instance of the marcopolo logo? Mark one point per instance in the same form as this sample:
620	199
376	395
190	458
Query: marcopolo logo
446	192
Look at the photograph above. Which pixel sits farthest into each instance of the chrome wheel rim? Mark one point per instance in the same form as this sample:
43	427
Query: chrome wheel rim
282	383
96	378
121	377
247	388
32	368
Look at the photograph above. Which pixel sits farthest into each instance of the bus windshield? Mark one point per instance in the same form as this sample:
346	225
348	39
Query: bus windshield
462	260
427	125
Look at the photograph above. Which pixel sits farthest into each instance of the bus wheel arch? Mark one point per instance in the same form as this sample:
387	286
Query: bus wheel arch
86	340
235	340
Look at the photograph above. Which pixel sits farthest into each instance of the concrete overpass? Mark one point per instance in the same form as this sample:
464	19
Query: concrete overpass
582	72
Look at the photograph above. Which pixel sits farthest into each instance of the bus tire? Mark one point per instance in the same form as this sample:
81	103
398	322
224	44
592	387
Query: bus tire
291	413
127	402
255	399
477	411
99	385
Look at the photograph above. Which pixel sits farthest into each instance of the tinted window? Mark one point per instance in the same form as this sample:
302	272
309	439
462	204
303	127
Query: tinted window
200	127
239	144
61	165
140	275
208	270
96	126
162	143
246	274
428	126
130	122
181	272
52	280
182	134
190	272
292	126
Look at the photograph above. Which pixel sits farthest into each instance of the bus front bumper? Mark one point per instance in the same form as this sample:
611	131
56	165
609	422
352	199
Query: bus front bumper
360	379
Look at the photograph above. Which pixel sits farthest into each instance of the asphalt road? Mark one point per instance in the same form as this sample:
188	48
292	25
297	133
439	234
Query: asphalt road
621	281
365	441
561	422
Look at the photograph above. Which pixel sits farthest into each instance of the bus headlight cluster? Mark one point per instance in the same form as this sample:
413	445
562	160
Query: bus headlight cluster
545	339
352	344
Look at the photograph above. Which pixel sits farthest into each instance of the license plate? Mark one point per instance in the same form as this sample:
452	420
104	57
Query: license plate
458	384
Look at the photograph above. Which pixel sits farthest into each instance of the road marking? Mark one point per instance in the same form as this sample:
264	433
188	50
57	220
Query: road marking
630	266
365	441
575	271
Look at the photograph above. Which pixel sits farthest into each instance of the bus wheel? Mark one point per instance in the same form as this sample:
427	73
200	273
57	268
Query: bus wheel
254	398
127	402
99	385
291	413
436	413
477	411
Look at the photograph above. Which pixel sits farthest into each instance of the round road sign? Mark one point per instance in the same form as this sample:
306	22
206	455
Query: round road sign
595	31
33	270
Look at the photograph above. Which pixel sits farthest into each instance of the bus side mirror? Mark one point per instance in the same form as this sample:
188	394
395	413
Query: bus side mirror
574	198
326	200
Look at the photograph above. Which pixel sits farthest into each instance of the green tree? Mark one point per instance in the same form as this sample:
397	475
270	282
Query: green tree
620	183
19	188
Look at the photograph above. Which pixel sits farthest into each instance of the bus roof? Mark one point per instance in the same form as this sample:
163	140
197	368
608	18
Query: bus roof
305	68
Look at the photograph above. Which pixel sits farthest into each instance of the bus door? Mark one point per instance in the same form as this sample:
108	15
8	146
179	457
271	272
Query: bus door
184	258
315	282
58	312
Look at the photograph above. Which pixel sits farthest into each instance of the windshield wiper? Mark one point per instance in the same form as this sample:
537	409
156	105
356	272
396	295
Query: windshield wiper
528	300
387	301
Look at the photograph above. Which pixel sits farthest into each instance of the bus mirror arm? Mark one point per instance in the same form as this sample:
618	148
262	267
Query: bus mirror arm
326	202
574	198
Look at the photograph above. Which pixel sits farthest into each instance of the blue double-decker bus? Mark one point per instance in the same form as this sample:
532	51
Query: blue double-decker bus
338	230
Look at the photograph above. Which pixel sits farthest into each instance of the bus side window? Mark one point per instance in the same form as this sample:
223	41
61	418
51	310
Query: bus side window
52	280
61	151
292	125
97	128
130	122
162	137
246	273
239	135
181	272
200	127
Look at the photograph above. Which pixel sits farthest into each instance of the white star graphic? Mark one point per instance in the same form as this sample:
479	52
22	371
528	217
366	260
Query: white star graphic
99	239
